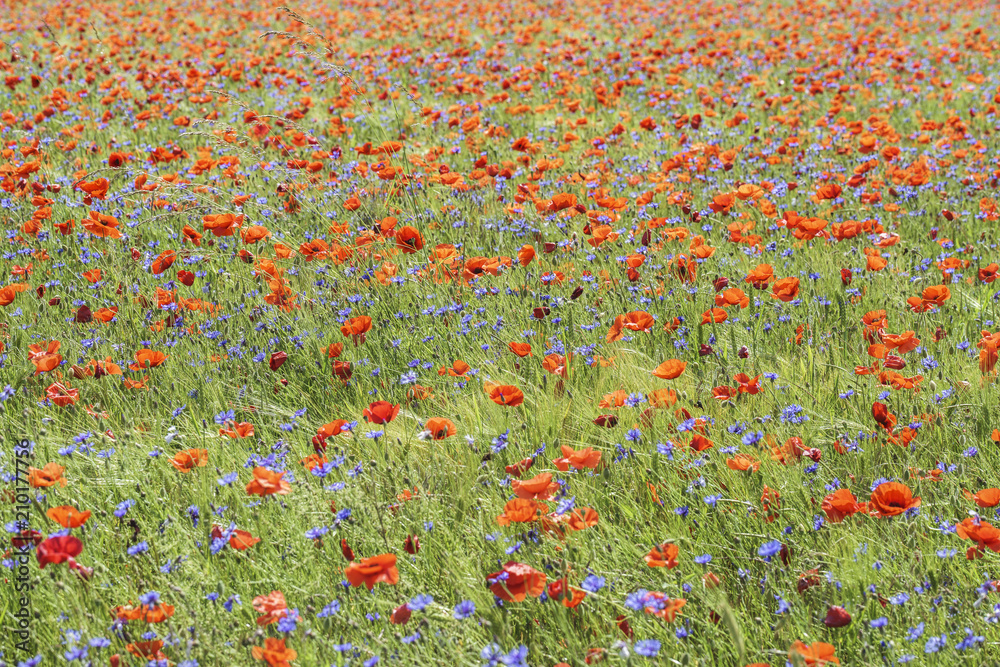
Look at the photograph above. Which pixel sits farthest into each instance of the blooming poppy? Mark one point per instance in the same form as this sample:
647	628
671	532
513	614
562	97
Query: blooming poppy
841	504
583	459
274	652
440	428
816	654
507	395
380	412
68	516
891	499
521	510
670	369
272	607
49	475
539	487
266	483
57	550
189	459
516	581
370	571
663	555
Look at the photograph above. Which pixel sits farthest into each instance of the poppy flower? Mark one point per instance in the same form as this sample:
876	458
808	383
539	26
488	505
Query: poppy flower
816	654
507	395
400	615
240	540
570	596
440	428
68	516
276	360
189	459
785	289
607	421
761	276
57	550
146	358
841	504
156	613
409	240
837	617
61	394
149	650
663	555
101	225
891	499
743	462
521	510
516	581
539	487
272	607
370	571
520	349
985	535
519	468
356	328
49	475
987	498
714	316
380	412
583	459
274	652
670	369
458	369
238	430
267	483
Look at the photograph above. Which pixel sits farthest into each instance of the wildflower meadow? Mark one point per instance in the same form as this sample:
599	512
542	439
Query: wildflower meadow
549	333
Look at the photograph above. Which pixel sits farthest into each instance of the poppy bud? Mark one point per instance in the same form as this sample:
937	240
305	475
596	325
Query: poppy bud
705	350
277	359
720	283
785	554
116	660
633	275
685	209
837	617
401	614
346	549
608	421
647	236
576	293
411	544
54	301
710	580
744	352
895	362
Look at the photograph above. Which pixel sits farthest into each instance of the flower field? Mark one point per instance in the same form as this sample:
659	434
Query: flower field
553	333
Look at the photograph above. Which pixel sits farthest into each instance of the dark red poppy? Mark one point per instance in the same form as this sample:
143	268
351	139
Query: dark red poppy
276	360
57	550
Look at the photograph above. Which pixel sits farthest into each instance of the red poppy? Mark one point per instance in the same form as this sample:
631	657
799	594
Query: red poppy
380	412
57	550
516	581
370	571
